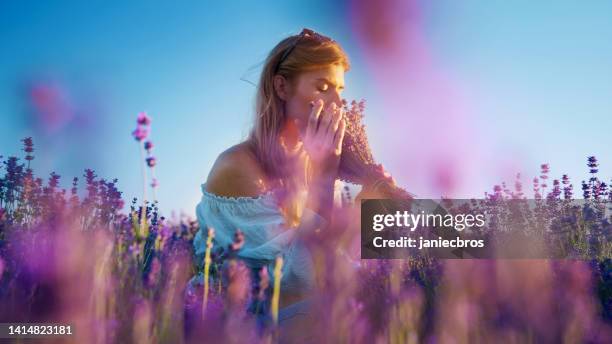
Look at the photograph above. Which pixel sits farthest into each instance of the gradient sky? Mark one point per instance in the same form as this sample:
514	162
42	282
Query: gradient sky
532	80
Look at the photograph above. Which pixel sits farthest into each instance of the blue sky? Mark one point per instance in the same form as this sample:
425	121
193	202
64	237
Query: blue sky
535	76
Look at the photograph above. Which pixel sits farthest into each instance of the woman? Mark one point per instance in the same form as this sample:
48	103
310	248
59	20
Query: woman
277	186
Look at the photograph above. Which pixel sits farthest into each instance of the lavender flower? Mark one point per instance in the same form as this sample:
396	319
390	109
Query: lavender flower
29	149
151	161
536	188
586	193
148	145
556	191
592	164
53	181
567	188
544	169
518	187
143	119
140	133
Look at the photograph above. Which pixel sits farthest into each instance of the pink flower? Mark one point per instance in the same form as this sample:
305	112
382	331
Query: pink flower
151	161
140	133
143	119
154	183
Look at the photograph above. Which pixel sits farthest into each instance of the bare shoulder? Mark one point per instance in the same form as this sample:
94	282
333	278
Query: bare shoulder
235	173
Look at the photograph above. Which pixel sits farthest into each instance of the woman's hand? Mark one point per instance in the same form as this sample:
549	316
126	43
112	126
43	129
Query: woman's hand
323	144
323	140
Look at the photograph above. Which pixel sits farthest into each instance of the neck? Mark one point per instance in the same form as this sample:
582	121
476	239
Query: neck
290	138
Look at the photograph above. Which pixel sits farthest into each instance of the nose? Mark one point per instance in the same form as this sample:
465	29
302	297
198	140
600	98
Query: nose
335	97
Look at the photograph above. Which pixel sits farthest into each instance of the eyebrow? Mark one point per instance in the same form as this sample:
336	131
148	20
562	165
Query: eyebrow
329	82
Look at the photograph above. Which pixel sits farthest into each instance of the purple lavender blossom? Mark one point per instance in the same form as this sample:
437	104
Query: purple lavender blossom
143	119
28	147
586	193
592	164
140	133
148	146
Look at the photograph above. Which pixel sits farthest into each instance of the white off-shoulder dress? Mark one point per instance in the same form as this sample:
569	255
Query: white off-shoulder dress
266	236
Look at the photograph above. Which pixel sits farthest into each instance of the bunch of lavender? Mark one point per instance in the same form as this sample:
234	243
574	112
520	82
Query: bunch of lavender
357	165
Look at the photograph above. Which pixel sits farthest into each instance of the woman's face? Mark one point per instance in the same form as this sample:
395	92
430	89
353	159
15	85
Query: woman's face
325	83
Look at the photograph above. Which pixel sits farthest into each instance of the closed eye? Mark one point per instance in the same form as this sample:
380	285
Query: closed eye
326	85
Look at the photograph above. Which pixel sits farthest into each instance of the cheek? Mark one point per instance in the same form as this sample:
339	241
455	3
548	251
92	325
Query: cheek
300	107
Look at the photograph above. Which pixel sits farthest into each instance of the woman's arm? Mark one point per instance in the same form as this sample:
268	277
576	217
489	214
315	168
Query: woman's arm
321	198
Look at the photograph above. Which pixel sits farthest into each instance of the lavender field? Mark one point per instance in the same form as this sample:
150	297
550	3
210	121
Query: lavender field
75	252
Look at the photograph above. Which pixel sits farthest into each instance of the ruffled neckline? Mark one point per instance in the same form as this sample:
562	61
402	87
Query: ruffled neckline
268	195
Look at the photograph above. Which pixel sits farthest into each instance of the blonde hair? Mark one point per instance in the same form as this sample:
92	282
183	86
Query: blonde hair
290	57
